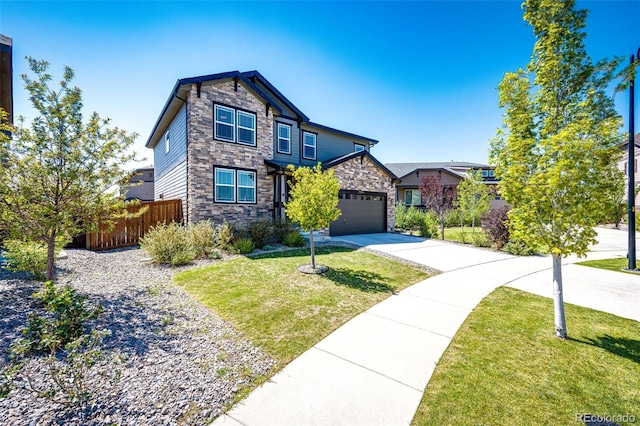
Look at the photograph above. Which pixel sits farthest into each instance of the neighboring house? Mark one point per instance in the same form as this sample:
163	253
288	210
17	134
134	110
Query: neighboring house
223	142
411	174
623	164
142	185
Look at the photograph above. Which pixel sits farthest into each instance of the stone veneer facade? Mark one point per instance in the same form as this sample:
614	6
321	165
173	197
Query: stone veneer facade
204	153
362	174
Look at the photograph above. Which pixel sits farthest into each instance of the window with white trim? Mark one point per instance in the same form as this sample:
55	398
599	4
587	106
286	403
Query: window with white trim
166	143
284	138
246	186
225	123
231	125
412	197
225	185
246	128
358	147
232	185
309	146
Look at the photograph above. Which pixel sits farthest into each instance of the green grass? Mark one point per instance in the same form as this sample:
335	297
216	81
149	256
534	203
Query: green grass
465	235
504	366
617	264
286	312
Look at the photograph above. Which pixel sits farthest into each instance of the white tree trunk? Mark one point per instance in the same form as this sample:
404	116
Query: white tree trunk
558	302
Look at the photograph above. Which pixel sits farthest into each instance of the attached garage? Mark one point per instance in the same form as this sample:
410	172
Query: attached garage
362	213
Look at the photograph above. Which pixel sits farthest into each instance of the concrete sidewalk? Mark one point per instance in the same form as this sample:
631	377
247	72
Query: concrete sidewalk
373	370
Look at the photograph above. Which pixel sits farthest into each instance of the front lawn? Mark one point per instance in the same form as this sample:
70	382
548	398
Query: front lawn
617	264
504	366
466	235
286	312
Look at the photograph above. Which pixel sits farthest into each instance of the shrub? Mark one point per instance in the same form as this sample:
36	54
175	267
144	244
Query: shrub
494	224
202	236
215	254
401	215
243	245
68	315
294	239
480	240
168	244
518	248
414	218
429	226
259	231
225	236
282	227
27	256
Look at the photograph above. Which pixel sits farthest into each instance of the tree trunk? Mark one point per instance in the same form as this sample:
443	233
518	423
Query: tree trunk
51	258
442	227
313	251
558	303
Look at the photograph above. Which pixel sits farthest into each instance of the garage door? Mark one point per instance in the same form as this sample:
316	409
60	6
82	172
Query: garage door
363	213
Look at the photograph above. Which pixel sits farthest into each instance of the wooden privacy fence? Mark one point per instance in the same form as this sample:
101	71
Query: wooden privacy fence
127	232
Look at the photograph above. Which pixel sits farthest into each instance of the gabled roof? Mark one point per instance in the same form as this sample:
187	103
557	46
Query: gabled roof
403	169
362	154
271	97
280	166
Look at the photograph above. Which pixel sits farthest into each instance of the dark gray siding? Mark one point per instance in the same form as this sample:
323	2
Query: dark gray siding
330	145
285	110
294	157
165	162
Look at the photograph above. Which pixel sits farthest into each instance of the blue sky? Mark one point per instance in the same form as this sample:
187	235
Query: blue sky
419	76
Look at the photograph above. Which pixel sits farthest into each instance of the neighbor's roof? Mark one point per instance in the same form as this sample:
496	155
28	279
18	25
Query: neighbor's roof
403	169
271	97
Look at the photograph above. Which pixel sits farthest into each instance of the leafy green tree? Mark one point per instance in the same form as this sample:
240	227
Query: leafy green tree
556	154
473	196
314	200
58	175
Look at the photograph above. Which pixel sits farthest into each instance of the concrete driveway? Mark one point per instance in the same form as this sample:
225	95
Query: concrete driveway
608	291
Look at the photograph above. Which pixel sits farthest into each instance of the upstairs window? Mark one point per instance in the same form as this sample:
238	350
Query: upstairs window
246	128
309	146
166	143
359	147
284	138
232	125
412	197
225	123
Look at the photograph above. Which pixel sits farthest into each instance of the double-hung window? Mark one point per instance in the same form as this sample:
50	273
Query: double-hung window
231	125
166	143
246	186
309	146
412	197
284	138
225	182
246	128
233	186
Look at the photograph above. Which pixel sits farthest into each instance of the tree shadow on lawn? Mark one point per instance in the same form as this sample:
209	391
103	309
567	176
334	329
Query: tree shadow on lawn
626	348
368	282
300	252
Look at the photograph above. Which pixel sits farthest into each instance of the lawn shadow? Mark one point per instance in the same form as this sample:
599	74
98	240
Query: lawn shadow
368	282
626	348
300	252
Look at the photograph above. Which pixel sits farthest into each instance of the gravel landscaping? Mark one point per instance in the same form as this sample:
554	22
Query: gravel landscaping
180	363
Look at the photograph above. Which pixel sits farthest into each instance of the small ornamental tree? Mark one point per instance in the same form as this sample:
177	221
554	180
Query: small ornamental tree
556	154
58	176
314	200
438	197
473	196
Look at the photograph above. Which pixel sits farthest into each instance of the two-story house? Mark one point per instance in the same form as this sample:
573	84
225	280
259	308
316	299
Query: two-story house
451	173
222	144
